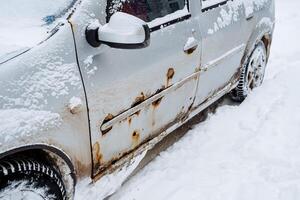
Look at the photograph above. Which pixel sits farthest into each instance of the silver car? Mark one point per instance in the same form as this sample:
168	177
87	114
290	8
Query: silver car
102	81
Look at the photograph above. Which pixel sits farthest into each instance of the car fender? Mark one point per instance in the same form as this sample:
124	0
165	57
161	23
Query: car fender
43	102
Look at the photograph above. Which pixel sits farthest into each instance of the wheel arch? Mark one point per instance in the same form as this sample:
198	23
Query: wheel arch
50	155
263	31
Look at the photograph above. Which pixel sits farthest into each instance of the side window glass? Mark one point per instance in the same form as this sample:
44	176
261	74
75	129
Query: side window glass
146	10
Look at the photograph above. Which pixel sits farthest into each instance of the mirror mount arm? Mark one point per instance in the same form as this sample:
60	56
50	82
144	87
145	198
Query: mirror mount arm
91	36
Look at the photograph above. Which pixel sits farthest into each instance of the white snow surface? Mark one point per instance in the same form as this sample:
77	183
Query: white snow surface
17	188
15	191
23	25
19	123
242	152
231	14
53	77
108	184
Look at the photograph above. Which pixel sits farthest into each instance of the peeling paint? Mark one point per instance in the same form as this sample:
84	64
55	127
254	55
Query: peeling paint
106	119
170	75
156	103
135	138
98	156
138	100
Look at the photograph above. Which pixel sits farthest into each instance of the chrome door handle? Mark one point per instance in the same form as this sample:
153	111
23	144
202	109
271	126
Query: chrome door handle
191	45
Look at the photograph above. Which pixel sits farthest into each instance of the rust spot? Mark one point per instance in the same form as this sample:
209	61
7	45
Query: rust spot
106	119
190	108
137	112
138	100
156	103
82	169
104	132
160	89
170	75
129	119
135	138
198	69
267	42
97	156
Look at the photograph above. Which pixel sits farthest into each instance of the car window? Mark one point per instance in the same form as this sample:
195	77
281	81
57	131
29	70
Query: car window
146	10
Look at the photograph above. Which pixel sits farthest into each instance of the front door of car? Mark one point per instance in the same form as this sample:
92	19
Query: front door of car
135	94
222	44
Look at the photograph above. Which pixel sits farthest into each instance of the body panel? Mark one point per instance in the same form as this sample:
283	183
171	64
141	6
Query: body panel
225	29
123	79
223	47
36	92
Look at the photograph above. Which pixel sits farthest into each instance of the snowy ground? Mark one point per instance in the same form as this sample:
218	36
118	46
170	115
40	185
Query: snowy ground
242	152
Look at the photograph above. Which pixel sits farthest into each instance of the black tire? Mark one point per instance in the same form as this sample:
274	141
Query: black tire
246	84
28	177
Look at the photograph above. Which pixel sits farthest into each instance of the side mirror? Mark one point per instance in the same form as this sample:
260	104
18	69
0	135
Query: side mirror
123	31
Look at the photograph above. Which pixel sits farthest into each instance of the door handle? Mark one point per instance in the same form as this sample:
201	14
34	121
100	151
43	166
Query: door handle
249	16
191	45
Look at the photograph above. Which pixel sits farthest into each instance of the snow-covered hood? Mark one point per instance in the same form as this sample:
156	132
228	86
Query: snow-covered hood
26	23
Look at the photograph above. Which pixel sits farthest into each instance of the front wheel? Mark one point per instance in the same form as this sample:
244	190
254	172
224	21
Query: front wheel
26	179
253	73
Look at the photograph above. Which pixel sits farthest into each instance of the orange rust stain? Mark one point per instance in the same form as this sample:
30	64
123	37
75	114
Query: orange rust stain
97	156
156	103
129	119
104	132
170	75
137	112
160	90
139	100
197	69
82	170
135	138
106	119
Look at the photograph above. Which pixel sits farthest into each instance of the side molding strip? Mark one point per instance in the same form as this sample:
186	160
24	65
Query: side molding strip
135	109
215	62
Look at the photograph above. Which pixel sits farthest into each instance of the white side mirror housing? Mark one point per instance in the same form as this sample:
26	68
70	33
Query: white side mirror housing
123	31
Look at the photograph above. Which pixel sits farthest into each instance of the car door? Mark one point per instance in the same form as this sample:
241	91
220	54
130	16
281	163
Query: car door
135	94
223	46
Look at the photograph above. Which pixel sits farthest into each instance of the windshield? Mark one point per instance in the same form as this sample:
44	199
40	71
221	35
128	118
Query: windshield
25	23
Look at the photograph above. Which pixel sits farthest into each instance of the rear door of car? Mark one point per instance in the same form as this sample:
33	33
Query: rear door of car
223	46
133	95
